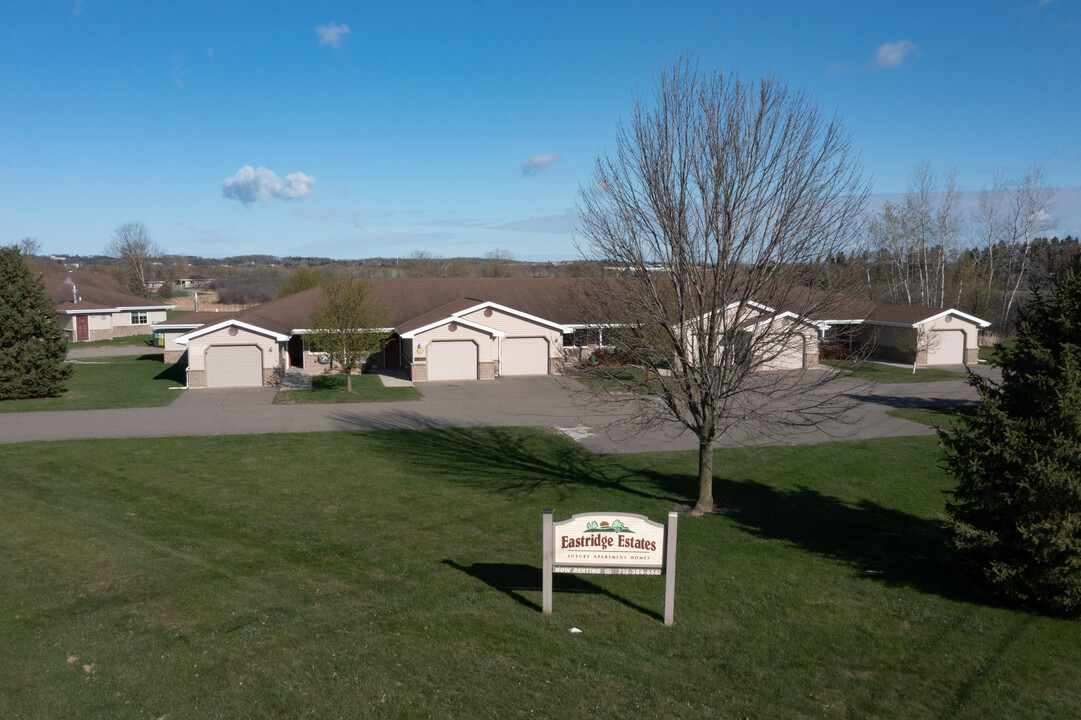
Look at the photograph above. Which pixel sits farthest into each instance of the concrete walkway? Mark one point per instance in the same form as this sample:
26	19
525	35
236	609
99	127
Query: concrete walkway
550	402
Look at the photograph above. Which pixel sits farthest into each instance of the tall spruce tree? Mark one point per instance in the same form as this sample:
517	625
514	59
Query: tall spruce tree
32	346
1017	508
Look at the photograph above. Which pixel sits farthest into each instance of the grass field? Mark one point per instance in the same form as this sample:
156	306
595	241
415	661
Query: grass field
886	374
110	382
125	341
331	389
944	417
396	575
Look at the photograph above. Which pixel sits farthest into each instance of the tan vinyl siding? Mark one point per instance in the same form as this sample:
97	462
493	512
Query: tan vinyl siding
485	342
197	347
519	327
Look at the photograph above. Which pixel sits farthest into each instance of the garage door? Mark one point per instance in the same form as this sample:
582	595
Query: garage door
524	356
946	347
234	366
452	360
788	356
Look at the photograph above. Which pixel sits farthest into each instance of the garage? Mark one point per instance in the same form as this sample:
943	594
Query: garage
946	347
524	356
787	357
452	360
234	366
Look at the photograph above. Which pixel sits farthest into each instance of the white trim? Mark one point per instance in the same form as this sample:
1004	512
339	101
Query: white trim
788	314
958	313
309	331
509	311
146	307
183	339
184	326
446	321
870	321
111	310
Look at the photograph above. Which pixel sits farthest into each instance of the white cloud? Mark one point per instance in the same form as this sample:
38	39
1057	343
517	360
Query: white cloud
837	68
331	34
538	164
891	55
251	184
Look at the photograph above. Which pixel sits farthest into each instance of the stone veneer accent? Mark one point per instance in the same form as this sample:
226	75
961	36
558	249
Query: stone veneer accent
196	378
173	356
486	370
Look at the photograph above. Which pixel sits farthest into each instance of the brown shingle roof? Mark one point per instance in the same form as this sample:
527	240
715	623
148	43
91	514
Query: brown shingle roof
95	292
412	303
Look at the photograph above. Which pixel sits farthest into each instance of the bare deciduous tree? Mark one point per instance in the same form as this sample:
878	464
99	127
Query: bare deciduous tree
1009	216
423	264
722	202
30	246
917	239
137	253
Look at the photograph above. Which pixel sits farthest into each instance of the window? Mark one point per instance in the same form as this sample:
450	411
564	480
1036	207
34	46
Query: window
138	317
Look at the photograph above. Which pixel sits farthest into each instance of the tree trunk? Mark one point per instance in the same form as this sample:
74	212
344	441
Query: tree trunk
705	477
349	382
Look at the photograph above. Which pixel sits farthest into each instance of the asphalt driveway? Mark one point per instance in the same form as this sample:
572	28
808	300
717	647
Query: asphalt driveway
551	402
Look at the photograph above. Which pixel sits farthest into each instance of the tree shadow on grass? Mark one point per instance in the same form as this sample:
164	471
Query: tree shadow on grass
878	542
512	579
522	461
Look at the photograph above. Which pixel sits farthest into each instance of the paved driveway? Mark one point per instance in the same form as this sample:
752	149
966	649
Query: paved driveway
551	402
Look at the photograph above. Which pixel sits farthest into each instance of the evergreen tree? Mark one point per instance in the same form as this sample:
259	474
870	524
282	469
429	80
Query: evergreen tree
32	346
1017	508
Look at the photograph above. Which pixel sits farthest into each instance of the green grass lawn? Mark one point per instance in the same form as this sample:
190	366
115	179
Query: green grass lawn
886	374
622	379
396	575
126	341
110	382
331	389
989	353
944	417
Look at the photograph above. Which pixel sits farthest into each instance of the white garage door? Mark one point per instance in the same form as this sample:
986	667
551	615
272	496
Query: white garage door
452	360
788	356
234	366
524	356
947	347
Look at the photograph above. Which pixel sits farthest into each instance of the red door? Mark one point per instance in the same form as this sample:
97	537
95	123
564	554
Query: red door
392	353
82	328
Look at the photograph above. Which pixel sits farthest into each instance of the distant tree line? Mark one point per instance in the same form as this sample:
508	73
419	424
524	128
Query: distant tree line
925	251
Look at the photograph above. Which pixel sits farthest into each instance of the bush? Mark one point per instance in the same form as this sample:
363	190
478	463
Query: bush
1016	511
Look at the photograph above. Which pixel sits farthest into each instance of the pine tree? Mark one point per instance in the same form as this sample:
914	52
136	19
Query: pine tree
1016	511
32	346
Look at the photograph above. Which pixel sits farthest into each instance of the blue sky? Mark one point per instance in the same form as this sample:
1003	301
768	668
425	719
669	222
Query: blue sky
349	129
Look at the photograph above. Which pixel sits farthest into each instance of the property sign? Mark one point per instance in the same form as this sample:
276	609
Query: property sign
611	544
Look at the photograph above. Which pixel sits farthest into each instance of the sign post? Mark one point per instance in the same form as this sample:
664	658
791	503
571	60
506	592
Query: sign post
609	544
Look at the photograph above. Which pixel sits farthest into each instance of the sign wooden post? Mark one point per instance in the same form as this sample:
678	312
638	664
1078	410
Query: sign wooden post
546	535
609	544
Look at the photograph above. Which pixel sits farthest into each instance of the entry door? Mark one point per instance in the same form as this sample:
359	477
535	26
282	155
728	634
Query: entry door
82	328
